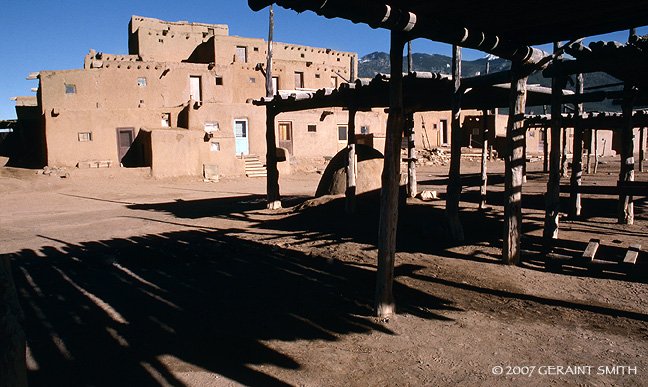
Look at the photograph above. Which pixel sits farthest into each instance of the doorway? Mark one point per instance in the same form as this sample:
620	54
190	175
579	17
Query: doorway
444	132
125	137
241	142
286	136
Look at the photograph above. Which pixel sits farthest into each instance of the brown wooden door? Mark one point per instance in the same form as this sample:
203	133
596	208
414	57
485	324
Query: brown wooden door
125	137
286	136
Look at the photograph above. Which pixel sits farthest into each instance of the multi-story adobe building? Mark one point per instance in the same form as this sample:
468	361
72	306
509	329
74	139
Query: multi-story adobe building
181	101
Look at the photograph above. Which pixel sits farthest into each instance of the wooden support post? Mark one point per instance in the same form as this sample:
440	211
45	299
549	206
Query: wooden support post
385	306
596	160
412	189
626	173
552	197
484	173
351	164
563	153
587	140
642	144
577	160
524	153
514	165
411	150
454	185
272	180
545	150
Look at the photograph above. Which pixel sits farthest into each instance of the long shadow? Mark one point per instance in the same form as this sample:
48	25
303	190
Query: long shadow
130	311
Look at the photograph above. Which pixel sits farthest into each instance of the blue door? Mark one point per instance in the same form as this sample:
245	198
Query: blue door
241	133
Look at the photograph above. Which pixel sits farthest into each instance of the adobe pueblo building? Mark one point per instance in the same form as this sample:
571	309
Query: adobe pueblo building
181	103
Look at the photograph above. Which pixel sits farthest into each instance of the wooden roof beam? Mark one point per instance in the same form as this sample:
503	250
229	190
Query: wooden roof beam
378	15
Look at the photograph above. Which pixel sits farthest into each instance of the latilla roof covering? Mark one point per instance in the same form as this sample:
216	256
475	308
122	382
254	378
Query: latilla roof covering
506	28
421	92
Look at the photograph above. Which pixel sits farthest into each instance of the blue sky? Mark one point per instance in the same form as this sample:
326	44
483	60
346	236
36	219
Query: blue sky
56	35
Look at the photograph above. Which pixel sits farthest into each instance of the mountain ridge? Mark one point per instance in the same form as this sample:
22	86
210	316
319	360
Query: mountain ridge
378	62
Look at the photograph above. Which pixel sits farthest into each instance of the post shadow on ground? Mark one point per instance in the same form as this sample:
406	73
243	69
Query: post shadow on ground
421	227
117	311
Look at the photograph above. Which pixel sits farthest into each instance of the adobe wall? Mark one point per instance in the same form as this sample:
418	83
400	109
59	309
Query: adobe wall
157	40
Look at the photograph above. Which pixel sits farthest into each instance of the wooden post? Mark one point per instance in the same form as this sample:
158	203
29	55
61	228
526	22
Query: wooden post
552	198
454	185
545	150
524	152
411	157
385	306
268	75
351	164
626	173
484	168
514	165
642	144
411	149
587	138
484	173
545	144
577	160
563	152
272	180
596	160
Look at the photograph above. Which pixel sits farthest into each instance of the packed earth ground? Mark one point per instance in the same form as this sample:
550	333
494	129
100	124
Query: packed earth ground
126	280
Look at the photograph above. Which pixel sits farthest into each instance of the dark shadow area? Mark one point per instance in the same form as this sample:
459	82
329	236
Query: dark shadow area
127	311
412	271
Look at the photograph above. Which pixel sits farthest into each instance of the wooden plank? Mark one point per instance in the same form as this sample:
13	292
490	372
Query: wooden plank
632	254
590	250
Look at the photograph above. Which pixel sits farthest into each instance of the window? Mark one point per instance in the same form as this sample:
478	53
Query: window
85	136
219	81
141	82
342	132
214	146
241	54
195	89
252	80
275	85
317	76
70	89
334	82
364	130
299	80
211	126
312	128
166	120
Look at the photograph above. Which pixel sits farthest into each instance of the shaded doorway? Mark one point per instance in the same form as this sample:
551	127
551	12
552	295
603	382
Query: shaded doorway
286	136
125	138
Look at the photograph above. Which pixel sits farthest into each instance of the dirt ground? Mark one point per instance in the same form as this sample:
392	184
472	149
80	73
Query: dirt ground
127	280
